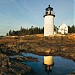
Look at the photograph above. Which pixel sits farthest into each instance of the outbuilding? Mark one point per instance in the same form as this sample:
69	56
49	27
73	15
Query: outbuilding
63	29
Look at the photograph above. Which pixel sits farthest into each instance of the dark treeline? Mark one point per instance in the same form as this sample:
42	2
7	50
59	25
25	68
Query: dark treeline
26	31
71	29
35	30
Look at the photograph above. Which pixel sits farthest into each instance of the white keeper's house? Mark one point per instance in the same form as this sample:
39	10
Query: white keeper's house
63	29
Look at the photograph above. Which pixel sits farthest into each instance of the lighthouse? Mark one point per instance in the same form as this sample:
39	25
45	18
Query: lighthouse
49	21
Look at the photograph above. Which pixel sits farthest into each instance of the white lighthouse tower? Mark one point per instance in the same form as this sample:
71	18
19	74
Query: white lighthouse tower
49	21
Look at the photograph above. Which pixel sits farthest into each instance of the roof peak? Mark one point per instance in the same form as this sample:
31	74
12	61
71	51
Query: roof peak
63	24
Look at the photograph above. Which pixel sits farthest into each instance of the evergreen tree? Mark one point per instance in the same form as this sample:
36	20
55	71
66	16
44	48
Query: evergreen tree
7	34
10	32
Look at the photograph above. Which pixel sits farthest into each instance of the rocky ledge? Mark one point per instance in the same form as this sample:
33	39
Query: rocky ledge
7	67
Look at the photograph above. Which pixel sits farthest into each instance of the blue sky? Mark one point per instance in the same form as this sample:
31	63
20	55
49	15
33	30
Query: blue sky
27	13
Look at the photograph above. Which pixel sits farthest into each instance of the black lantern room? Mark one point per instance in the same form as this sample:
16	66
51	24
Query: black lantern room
49	11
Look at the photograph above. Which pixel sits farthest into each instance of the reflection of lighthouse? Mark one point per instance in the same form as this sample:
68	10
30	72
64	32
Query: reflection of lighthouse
48	62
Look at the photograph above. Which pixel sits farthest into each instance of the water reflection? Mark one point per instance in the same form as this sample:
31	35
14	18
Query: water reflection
45	65
48	62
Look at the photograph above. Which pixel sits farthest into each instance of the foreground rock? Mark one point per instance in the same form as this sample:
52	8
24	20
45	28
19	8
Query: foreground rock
71	74
23	59
13	68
